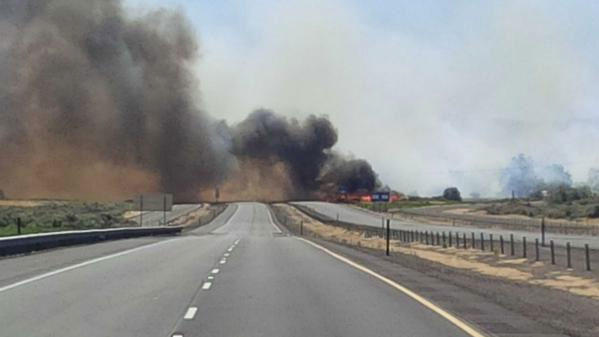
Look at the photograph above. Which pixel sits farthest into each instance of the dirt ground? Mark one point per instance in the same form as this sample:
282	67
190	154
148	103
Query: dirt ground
569	300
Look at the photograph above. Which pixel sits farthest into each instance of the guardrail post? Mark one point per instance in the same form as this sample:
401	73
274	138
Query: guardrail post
552	251
512	250
465	242
444	241
473	243
482	241
501	244
568	255
388	234
491	243
438	239
457	240
524	246
537	257
587	256
426	237
450	235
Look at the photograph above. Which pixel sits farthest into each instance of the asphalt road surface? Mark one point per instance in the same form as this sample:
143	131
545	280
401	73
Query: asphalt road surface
152	218
238	276
350	214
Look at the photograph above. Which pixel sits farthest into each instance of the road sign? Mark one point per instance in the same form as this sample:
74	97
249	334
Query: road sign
380	197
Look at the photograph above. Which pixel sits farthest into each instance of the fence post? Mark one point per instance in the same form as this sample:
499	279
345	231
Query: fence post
473	243
438	239
501	244
543	231
537	257
388	234
482	242
552	252
450	239
426	237
568	255
588	256
457	240
444	241
302	228
465	242
512	245
524	246
491	243
19	225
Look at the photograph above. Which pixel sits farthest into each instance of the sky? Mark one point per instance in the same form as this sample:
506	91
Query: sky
432	93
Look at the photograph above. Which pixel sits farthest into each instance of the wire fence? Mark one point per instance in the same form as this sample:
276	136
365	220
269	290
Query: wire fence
499	245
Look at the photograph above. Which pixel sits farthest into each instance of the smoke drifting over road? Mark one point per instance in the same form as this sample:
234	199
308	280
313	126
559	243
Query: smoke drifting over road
94	104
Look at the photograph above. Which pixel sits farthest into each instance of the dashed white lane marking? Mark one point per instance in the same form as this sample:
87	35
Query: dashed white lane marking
230	249
227	255
215	271
456	321
177	335
206	285
191	313
272	222
223	261
80	265
211	277
236	241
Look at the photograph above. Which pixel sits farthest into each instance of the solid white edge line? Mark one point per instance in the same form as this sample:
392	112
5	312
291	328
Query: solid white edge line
206	285
80	265
454	320
271	220
191	313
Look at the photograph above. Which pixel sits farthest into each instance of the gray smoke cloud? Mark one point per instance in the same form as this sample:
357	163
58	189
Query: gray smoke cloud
96	104
524	177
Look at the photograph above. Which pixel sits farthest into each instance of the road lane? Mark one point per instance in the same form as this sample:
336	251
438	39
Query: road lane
239	276
273	285
352	215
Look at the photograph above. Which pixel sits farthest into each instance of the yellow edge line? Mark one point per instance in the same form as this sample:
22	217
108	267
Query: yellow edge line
456	321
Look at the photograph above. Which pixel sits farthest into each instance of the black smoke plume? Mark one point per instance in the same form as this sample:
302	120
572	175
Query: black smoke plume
96	104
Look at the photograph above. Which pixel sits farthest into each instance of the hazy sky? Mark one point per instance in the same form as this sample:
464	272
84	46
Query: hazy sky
432	93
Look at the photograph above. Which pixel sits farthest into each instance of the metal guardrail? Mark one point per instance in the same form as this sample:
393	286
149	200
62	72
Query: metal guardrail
35	242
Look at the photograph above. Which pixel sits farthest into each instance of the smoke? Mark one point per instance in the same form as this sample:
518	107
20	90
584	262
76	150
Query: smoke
524	177
96	104
420	88
301	153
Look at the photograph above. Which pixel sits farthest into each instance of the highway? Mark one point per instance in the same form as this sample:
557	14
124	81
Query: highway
350	214
237	276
